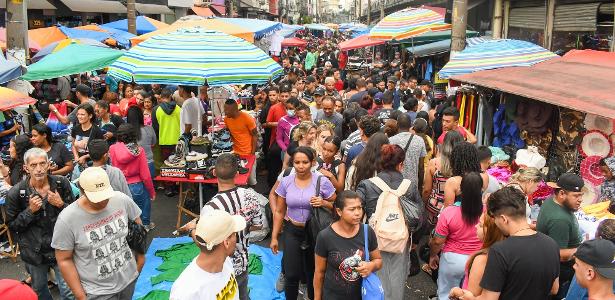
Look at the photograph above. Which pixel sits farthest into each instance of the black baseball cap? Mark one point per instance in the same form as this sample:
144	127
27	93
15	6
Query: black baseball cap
392	79
426	82
310	79
569	182
599	254
319	91
294	70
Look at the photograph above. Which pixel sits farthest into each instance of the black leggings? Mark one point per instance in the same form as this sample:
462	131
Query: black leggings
298	261
274	164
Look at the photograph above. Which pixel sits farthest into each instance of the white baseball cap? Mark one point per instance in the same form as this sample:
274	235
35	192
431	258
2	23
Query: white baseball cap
216	225
95	183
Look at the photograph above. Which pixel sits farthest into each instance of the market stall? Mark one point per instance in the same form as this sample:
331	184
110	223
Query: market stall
294	42
536	115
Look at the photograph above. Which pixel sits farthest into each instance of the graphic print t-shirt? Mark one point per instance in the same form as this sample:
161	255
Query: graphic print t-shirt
343	255
101	254
195	283
81	138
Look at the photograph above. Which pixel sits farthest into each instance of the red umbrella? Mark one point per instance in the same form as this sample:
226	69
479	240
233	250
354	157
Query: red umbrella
11	98
294	42
359	42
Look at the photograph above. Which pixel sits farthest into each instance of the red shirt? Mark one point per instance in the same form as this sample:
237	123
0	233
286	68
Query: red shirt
276	112
461	131
339	85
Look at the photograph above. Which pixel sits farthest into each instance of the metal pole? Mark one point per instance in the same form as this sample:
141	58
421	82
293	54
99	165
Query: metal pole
613	38
132	16
497	19
506	18
548	35
381	9
369	12
460	23
17	31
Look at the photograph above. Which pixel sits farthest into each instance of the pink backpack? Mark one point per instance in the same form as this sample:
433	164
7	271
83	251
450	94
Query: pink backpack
388	221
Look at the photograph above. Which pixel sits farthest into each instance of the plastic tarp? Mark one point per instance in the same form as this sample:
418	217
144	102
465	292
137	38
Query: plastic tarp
75	33
289	30
122	38
261	27
359	42
144	25
73	59
554	81
9	70
211	24
294	42
46	36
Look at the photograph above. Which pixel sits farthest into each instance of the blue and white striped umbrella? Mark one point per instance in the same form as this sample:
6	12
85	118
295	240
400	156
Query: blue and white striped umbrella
195	56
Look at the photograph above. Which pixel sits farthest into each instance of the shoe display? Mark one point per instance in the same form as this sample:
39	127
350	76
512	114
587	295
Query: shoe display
195	156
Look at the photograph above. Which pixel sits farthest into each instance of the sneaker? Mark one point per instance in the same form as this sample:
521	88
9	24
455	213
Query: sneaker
303	291
199	140
150	226
195	156
175	162
279	284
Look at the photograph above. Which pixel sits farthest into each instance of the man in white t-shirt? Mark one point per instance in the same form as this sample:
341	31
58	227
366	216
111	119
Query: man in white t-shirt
210	275
192	110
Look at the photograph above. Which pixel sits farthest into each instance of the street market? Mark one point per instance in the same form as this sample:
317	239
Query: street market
159	150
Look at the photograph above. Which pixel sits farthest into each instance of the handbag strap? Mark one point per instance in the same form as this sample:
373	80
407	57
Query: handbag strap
366	249
408	144
318	185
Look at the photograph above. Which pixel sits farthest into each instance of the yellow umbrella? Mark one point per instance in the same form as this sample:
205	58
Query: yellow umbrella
210	24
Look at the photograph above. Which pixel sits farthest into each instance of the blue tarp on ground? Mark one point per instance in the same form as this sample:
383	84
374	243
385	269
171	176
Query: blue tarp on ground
260	286
9	70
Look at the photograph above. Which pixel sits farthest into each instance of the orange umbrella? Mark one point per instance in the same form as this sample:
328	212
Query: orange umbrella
11	98
47	35
209	24
33	45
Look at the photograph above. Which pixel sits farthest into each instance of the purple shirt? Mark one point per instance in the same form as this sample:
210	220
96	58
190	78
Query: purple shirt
285	124
298	206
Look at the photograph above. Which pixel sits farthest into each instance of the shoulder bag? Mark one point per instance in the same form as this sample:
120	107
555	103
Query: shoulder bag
371	287
321	217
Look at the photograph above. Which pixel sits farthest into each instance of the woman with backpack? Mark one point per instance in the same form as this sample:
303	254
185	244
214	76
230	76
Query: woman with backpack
341	262
395	265
455	235
298	195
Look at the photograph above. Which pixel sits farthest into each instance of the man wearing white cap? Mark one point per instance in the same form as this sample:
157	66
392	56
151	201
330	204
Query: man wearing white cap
210	275
90	240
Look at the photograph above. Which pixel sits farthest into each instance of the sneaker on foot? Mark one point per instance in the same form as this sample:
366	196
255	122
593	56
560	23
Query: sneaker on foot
150	226
279	284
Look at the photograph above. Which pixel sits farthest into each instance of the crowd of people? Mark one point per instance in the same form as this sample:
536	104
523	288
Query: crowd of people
368	172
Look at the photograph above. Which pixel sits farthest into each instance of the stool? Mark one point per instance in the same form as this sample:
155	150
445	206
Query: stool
4	230
180	205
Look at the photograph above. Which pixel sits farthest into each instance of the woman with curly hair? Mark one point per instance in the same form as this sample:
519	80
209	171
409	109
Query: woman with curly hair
367	163
464	159
395	266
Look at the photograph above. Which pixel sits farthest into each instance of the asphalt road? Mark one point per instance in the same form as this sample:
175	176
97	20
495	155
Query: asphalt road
164	214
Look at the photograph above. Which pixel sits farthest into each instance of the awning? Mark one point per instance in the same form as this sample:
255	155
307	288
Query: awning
202	11
34	4
219	8
181	3
294	42
431	37
557	81
95	6
360	42
441	47
153	9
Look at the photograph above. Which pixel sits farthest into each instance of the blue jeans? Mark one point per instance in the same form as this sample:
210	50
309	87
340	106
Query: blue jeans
39	282
141	197
152	169
450	273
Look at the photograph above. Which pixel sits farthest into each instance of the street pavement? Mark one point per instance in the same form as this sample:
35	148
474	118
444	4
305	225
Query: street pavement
164	214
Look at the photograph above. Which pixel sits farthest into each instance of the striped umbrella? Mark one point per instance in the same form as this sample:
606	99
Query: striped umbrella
408	23
11	98
493	54
195	56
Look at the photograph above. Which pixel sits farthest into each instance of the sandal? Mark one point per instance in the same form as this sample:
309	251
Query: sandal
425	268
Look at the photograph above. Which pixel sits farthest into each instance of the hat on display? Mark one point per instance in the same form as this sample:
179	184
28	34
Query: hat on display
590	195
598	253
590	170
497	154
95	183
215	226
530	158
596	122
596	143
319	91
569	182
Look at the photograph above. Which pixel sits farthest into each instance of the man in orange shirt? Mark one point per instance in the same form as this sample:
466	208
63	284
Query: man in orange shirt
243	133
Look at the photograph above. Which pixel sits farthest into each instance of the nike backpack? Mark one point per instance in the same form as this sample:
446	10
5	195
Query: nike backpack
388	221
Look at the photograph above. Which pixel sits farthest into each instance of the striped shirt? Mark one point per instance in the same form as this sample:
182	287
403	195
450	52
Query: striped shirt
244	202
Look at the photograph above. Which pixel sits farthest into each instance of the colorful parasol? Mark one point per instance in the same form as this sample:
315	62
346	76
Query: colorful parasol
144	25
32	44
494	54
209	24
118	37
261	28
407	23
73	59
195	56
46	36
294	42
59	45
11	98
359	42
9	69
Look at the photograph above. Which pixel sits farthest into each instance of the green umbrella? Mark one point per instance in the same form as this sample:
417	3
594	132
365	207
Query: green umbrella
73	59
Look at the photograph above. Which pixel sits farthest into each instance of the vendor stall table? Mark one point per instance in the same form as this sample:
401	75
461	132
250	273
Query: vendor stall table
240	179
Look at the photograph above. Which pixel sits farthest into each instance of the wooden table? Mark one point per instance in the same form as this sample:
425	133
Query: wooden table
240	179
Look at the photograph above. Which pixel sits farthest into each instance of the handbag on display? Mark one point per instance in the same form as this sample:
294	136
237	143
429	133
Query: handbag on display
371	287
321	217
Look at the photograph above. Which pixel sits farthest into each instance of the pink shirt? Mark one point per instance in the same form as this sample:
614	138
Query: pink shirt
460	237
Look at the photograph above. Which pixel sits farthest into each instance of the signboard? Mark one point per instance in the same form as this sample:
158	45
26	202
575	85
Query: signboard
36	23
